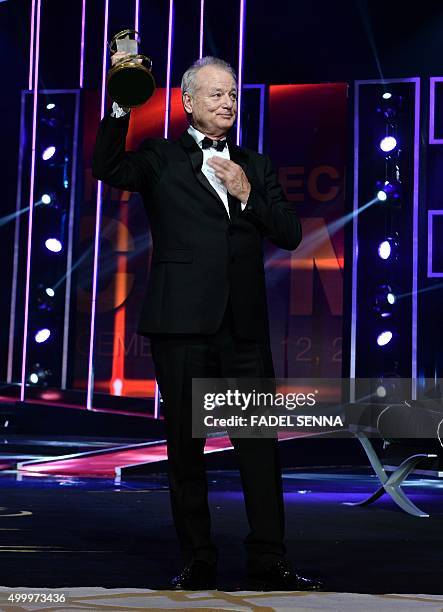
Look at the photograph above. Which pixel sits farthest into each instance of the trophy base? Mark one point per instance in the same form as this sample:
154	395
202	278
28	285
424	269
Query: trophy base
130	84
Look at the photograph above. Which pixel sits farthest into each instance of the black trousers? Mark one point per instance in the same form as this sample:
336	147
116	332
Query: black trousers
178	359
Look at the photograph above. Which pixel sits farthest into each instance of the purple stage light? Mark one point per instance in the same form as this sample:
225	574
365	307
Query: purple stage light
169	66
388	143
384	338
42	335
39	374
31	197
90	385
384	249
389	190
48	153
31	46
384	299
82	44
202	22
390	107
240	68
356	203
53	245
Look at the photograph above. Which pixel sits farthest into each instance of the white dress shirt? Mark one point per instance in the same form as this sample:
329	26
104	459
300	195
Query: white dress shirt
209	172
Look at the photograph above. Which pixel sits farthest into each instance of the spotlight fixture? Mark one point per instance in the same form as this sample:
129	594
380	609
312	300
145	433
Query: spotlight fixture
390	106
381	391
388	248
48	153
50	200
50	106
389	191
39	375
42	335
388	144
384	337
384	249
44	298
384	300
54	245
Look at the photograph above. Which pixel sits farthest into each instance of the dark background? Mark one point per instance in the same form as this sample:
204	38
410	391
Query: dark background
285	42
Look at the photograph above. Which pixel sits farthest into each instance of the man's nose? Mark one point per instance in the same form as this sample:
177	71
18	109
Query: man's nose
228	102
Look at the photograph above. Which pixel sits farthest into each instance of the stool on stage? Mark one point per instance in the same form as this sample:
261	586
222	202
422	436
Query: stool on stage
412	432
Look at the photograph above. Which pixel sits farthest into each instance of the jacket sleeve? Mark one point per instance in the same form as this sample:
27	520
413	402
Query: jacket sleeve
128	170
268	208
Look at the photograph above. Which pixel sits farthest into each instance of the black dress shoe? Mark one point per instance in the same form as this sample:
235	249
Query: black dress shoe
197	576
281	577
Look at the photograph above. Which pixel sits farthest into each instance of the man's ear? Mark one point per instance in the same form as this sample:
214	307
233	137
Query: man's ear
187	102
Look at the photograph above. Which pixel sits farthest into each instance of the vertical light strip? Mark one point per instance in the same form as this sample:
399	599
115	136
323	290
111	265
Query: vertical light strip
31	46
240	67
31	202
71	223
90	383
262	118
416	186
430	241
156	401
82	44
415	238
18	205
431	110
137	15
168	66
430	266
352	365
432	138
202	25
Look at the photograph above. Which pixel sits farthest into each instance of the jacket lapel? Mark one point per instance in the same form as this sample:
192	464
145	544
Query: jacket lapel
238	155
196	157
195	154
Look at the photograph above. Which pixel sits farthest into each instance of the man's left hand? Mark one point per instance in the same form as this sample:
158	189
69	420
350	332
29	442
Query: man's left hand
232	176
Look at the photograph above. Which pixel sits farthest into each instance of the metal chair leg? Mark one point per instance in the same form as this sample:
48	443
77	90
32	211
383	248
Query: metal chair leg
392	484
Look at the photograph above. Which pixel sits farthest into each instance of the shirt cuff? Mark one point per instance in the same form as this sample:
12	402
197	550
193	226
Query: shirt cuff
118	111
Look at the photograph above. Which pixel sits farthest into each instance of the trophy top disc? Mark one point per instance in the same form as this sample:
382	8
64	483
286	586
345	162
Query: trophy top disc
131	86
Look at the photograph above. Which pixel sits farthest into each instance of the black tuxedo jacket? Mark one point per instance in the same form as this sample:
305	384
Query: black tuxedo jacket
200	256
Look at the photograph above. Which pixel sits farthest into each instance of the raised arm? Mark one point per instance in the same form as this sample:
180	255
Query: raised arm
129	170
111	163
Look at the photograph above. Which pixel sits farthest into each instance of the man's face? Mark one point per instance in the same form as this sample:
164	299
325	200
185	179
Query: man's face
214	103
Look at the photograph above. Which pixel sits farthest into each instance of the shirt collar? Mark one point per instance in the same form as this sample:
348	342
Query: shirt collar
196	135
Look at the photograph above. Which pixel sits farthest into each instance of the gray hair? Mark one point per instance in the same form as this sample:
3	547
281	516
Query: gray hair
188	80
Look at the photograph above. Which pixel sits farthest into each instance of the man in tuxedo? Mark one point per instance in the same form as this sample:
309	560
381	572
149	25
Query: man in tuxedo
209	203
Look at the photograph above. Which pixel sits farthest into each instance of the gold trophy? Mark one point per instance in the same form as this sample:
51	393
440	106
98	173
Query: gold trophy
130	82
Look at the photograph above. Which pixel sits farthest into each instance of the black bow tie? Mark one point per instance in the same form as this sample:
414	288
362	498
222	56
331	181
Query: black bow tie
207	143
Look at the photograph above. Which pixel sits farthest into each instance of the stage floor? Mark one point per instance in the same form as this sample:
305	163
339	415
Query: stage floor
71	532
